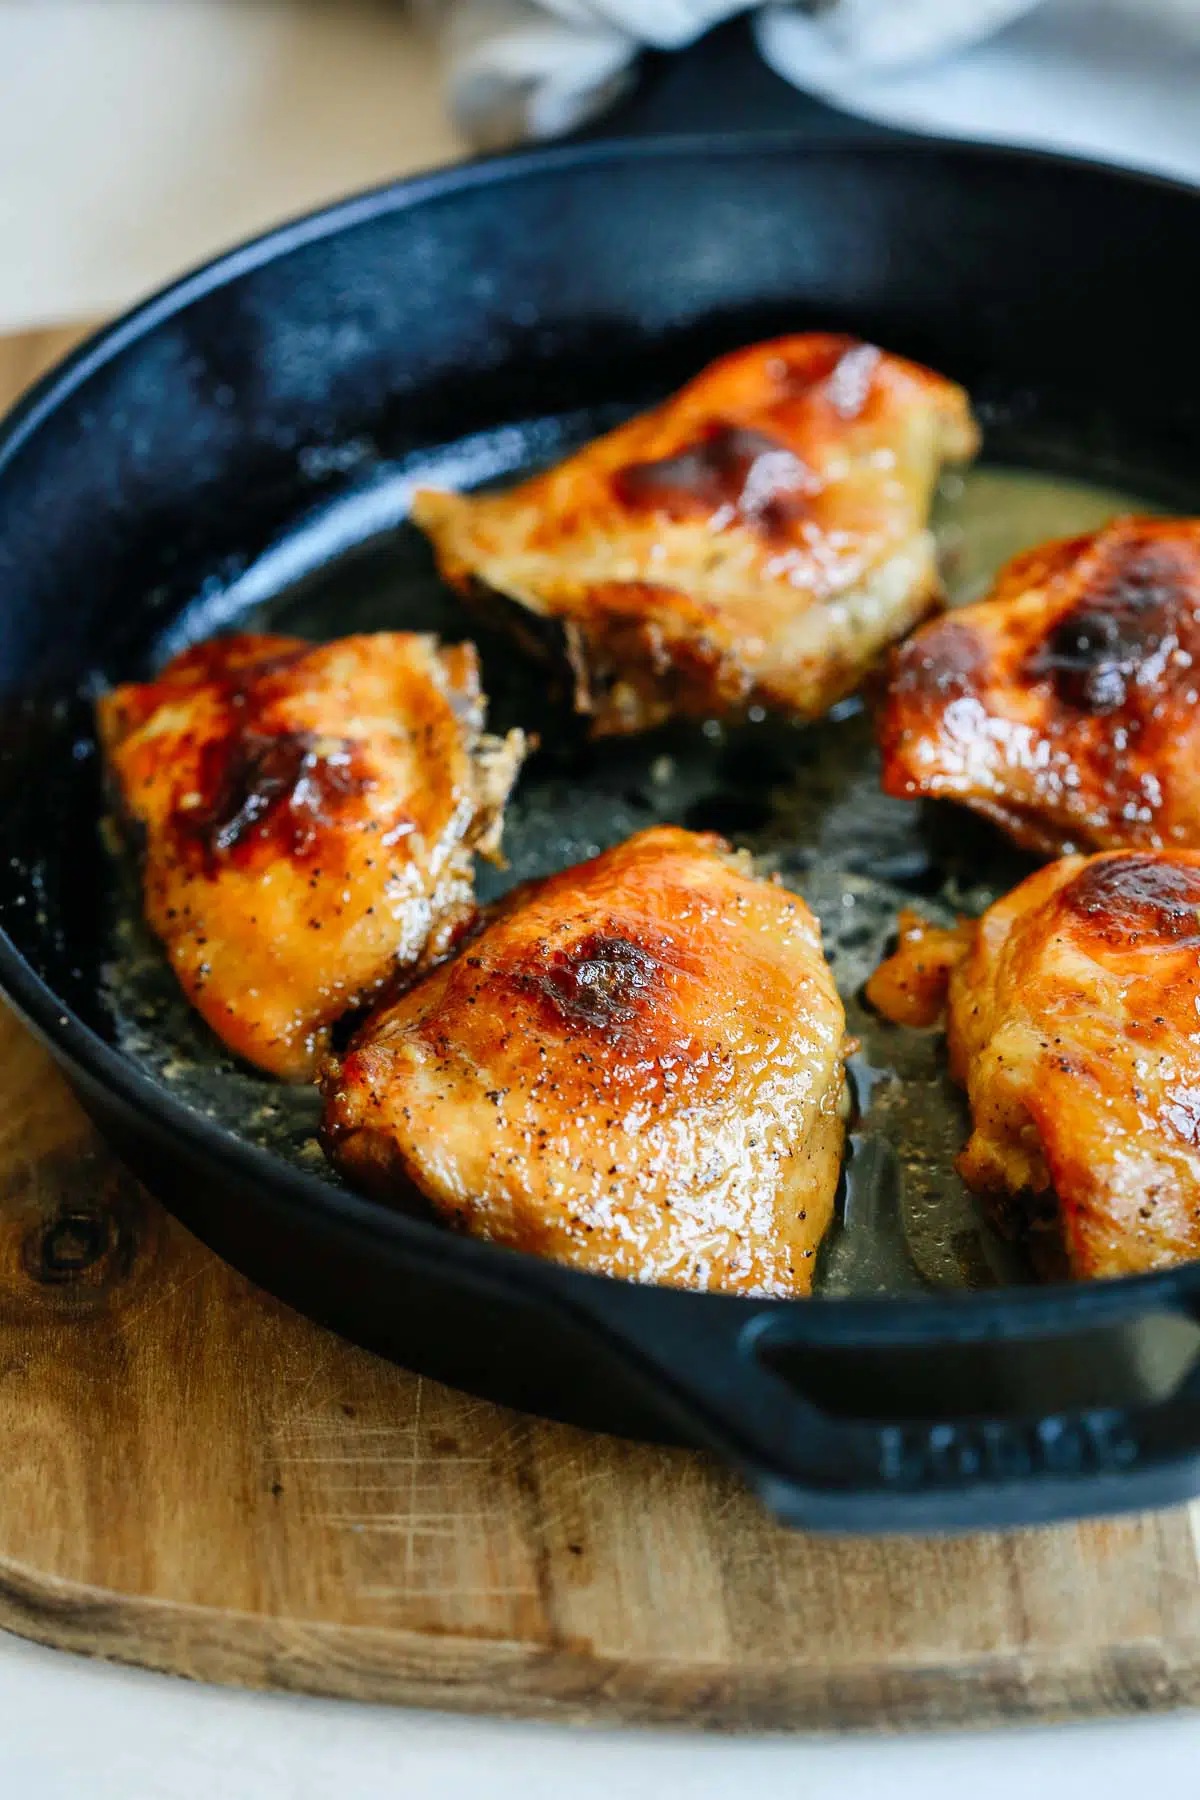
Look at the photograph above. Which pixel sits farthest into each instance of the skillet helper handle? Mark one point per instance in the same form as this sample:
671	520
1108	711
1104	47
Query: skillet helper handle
722	1381
722	83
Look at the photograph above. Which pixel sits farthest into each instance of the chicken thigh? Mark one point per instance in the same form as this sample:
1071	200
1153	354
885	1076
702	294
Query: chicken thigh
636	1068
307	816
1066	706
756	540
1074	1024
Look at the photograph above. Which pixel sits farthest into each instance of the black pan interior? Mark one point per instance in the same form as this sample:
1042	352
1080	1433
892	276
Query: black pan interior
243	449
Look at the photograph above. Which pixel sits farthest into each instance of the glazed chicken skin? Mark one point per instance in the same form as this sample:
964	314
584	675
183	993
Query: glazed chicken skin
636	1068
1064	707
911	986
757	540
307	816
1073	1024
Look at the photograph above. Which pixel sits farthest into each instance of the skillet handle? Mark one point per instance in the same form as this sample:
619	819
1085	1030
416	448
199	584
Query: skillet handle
729	1382
721	83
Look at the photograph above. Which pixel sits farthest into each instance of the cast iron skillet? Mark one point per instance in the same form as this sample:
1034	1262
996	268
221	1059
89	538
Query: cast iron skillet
210	449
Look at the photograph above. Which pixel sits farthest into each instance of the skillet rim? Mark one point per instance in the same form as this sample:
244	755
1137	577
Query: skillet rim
167	1119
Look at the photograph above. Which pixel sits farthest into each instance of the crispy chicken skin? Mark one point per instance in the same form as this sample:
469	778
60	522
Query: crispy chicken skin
307	816
1073	1025
910	987
1064	706
636	1068
757	539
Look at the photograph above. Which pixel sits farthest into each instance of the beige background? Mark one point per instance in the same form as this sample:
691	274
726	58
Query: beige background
138	136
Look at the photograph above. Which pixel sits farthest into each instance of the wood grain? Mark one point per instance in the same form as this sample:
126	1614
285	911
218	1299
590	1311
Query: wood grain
197	1480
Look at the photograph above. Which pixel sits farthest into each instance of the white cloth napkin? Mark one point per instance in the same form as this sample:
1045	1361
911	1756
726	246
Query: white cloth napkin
1114	78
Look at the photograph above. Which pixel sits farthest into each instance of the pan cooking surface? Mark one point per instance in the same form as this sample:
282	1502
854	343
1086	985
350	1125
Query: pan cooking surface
805	800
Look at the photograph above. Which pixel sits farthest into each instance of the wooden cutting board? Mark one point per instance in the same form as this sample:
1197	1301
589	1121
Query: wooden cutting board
195	1479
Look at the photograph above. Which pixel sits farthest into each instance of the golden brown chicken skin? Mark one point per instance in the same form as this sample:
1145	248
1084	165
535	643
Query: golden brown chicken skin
635	1069
307	816
911	986
1066	706
757	539
1074	1024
